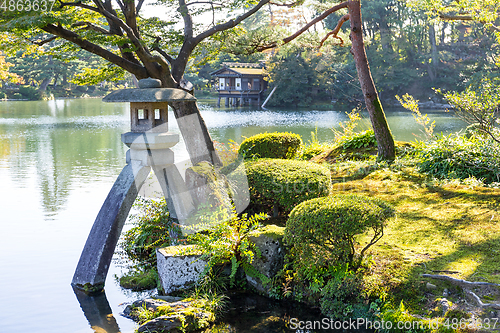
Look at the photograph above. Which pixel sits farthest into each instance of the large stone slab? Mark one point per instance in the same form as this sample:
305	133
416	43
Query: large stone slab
269	240
176	270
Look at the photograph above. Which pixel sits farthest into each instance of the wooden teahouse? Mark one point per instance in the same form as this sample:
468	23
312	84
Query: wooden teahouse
240	83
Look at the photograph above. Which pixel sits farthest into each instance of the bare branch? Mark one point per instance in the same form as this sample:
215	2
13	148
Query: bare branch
307	26
335	31
316	20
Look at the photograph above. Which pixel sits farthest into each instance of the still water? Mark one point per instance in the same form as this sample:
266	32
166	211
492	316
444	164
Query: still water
58	160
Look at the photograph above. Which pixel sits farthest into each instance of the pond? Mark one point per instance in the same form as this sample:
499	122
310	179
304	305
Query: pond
58	160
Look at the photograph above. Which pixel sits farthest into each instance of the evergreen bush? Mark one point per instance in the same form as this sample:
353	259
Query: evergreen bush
322	231
285	183
17	96
30	93
271	145
3	95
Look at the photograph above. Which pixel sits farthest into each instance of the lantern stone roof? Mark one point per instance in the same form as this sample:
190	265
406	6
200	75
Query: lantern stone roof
149	95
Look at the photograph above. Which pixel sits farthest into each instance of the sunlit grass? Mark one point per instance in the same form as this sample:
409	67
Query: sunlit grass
439	228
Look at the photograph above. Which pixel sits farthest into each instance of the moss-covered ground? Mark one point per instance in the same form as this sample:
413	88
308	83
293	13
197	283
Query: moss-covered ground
442	227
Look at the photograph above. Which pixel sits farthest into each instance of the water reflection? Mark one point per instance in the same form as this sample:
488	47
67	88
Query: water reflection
98	312
60	150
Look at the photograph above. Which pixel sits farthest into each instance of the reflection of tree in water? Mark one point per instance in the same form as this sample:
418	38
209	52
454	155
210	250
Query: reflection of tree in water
60	152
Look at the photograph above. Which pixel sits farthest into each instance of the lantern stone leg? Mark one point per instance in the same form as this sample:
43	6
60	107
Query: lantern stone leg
97	253
149	142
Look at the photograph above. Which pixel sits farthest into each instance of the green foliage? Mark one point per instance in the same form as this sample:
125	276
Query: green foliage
271	145
30	93
460	156
223	238
359	140
323	230
17	96
152	228
341	293
139	279
480	105
295	79
3	95
285	183
410	103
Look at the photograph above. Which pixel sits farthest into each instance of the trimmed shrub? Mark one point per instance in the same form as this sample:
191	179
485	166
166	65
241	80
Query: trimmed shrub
271	145
17	96
3	95
285	183
323	230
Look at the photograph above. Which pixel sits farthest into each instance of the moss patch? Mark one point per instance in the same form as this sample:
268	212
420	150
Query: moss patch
271	230
451	229
140	280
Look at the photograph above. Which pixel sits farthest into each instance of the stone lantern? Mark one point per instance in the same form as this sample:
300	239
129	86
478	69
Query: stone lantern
149	141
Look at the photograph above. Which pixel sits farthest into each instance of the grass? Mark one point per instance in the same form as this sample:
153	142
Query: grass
441	228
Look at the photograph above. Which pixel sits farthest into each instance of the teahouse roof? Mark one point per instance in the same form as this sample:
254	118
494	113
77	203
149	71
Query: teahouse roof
149	95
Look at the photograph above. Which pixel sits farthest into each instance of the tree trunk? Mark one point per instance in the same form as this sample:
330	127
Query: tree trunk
432	67
385	141
44	84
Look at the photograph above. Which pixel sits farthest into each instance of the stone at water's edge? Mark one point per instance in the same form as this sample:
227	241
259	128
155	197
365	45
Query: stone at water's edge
179	315
177	272
269	240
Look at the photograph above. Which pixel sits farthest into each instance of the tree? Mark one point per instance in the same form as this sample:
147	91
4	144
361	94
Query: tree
383	135
143	47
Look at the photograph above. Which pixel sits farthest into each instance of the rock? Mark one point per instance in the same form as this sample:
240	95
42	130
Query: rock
162	324
177	315
178	267
207	185
430	286
149	83
444	305
269	240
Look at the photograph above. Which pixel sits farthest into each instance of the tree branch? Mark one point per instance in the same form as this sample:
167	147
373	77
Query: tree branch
139	6
206	3
90	26
68	35
449	17
229	24
335	31
188	21
77	4
156	48
307	26
42	42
